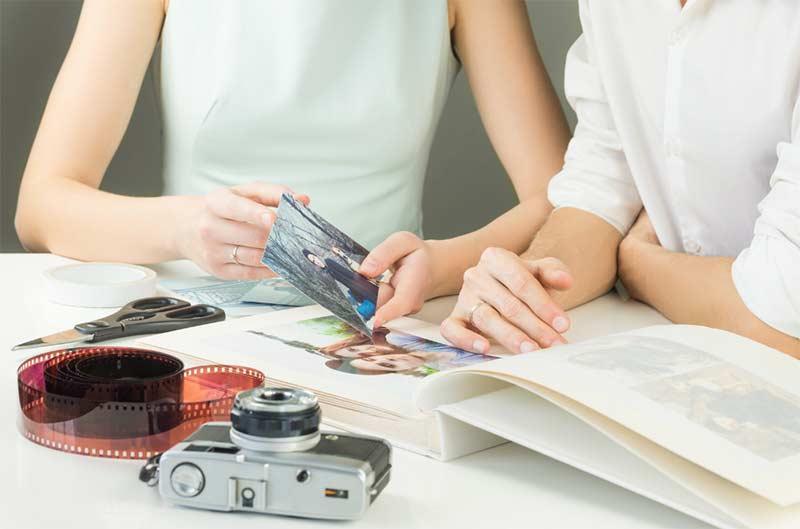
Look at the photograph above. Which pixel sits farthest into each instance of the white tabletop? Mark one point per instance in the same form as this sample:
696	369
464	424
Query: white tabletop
507	486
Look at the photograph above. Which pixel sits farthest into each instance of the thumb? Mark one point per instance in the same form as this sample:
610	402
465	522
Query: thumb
552	273
387	253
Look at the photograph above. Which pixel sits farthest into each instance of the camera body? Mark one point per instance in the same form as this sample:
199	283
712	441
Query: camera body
272	458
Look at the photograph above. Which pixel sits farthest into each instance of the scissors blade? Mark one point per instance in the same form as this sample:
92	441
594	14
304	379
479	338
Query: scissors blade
70	336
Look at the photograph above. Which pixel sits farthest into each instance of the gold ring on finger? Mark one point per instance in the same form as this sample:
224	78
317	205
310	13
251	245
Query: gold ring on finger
471	315
235	254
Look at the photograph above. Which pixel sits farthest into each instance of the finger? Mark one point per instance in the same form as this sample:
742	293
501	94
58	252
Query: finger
456	332
514	273
235	271
407	299
513	309
387	253
245	255
490	323
385	293
266	194
552	273
305	199
228	205
234	233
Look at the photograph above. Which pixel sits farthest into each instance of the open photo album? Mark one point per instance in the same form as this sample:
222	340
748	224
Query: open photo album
698	419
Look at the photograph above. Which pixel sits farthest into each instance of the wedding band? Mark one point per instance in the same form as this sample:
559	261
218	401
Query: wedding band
472	312
235	254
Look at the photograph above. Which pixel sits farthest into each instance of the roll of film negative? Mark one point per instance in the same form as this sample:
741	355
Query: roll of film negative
122	402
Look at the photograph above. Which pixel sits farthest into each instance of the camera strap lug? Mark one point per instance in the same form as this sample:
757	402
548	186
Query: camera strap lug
149	472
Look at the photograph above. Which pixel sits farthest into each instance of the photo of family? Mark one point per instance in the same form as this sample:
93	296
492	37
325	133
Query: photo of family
736	405
388	352
632	360
322	262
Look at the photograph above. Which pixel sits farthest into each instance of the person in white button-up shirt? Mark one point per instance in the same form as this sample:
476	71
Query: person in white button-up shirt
682	178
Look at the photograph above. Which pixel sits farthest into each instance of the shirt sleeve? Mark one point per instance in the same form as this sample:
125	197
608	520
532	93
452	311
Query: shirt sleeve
767	273
595	177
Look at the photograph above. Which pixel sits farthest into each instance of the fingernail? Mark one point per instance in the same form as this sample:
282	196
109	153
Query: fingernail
479	346
560	324
367	265
267	218
527	347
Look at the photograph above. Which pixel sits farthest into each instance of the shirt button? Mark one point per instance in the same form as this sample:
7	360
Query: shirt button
692	246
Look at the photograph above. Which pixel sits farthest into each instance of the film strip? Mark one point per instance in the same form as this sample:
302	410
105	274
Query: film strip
122	402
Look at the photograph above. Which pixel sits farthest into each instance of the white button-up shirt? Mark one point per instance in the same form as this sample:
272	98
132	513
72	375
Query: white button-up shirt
694	114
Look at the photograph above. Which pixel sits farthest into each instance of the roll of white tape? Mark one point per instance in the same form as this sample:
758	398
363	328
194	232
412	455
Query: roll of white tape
99	284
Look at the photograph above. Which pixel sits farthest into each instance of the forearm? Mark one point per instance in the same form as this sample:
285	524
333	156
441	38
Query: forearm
70	218
587	245
513	231
695	290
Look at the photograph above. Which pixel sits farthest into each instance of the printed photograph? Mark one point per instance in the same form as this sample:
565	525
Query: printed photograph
343	349
277	291
736	405
322	262
632	360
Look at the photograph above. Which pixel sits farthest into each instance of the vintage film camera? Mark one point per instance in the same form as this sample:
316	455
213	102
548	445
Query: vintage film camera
272	458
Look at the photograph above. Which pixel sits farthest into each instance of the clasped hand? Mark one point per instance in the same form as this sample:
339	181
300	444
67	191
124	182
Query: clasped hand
510	299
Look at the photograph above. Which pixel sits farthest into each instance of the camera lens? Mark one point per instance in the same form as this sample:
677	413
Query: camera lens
302	476
187	480
275	395
275	419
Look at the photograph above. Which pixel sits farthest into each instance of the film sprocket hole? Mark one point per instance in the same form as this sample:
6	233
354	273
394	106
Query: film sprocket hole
272	458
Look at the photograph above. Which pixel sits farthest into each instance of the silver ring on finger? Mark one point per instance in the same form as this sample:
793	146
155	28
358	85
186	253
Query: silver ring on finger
471	314
235	254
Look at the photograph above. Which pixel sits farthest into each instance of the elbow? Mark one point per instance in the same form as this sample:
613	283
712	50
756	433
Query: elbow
26	224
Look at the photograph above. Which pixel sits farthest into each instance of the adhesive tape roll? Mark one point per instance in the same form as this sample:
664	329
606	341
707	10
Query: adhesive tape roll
121	402
99	284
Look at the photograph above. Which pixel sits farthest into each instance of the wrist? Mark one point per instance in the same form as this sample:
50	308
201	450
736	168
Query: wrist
183	212
633	264
446	271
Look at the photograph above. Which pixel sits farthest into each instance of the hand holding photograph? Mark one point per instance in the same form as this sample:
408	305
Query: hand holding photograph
322	262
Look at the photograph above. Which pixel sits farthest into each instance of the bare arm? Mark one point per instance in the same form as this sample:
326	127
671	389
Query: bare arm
524	121
586	245
60	207
691	289
527	128
520	301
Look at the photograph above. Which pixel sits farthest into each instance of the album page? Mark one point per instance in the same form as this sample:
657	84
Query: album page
723	402
309	347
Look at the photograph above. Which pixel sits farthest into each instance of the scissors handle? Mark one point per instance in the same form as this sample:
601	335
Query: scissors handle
150	316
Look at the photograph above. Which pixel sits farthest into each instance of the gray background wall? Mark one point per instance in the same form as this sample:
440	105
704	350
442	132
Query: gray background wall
466	185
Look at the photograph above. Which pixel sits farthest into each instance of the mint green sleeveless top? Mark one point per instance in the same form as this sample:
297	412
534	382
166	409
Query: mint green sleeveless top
335	99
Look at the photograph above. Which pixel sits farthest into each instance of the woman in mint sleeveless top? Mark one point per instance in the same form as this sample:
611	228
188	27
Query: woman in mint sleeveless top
334	101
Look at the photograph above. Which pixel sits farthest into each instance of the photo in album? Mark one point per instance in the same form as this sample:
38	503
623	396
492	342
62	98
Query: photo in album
726	400
322	262
388	352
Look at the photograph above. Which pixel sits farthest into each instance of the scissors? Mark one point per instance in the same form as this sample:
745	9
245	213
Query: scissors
143	316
